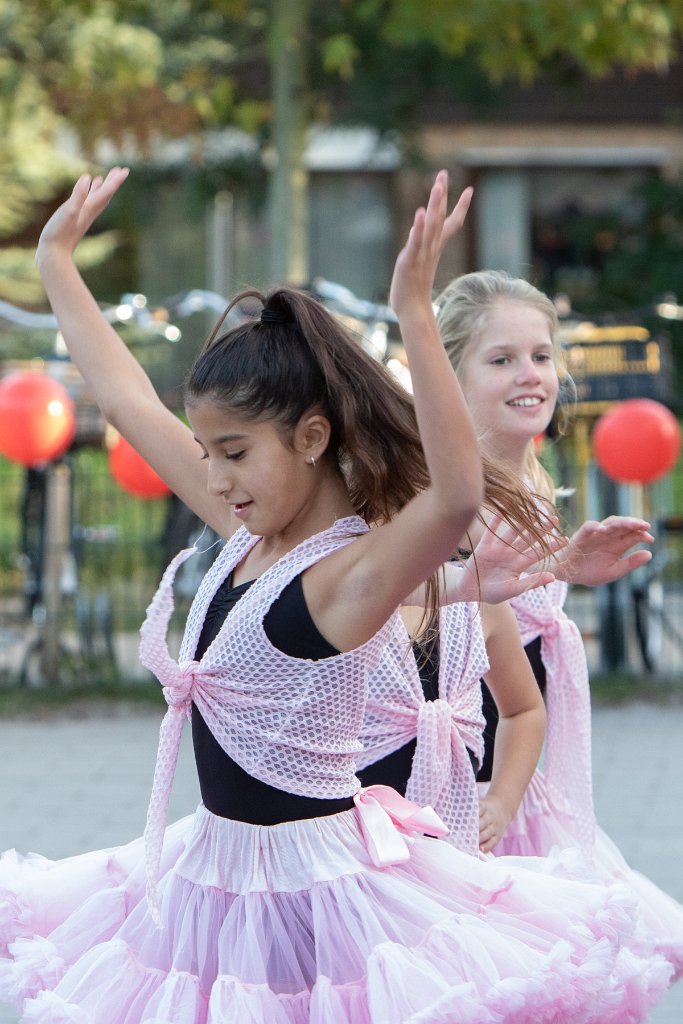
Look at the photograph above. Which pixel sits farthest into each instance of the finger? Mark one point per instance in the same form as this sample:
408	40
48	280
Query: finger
81	188
436	207
101	194
634	561
620	544
505	533
527	546
416	231
456	219
515	586
625	522
496	524
532	580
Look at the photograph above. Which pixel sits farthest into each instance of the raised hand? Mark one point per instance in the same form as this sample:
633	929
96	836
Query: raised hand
504	564
417	262
597	552
69	223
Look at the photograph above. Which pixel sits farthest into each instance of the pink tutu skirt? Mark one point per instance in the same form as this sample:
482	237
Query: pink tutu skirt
543	824
295	923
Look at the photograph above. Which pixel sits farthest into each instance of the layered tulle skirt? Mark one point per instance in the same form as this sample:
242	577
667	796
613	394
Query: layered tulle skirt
295	923
545	823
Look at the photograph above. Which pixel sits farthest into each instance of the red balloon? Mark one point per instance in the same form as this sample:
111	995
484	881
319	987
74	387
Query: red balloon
637	441
133	474
37	417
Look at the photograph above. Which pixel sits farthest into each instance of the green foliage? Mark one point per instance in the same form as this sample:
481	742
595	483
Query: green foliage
77	73
639	249
19	280
11	477
636	254
102	698
356	63
518	38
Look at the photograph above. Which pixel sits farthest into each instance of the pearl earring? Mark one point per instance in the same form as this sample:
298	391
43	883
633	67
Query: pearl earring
311	461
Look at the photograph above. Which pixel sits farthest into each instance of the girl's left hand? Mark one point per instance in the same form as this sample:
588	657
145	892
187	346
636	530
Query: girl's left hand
597	552
504	564
493	820
413	278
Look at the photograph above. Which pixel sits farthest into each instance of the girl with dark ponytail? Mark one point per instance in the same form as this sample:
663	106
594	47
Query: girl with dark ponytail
292	895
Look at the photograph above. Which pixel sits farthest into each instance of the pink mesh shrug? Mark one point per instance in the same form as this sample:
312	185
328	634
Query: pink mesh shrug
397	712
289	722
567	758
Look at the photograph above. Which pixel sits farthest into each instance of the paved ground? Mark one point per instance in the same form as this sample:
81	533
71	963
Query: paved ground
70	785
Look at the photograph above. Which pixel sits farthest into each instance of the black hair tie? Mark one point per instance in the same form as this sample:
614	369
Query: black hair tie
274	316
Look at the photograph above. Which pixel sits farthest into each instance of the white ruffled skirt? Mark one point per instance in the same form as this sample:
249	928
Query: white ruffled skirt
544	823
294	923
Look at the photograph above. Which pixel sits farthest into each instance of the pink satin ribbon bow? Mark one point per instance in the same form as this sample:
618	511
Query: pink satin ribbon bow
386	817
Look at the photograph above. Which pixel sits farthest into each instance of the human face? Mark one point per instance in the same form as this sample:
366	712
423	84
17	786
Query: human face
510	378
262	479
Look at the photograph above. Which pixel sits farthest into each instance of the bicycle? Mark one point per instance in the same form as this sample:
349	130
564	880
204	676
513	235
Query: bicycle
655	622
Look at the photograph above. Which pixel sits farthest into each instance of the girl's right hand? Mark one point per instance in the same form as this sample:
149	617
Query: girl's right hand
70	222
504	564
416	265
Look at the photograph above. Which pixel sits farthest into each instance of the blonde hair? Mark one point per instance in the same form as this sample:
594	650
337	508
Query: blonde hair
464	308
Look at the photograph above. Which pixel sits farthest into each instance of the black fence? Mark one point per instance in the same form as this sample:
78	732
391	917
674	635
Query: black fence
73	593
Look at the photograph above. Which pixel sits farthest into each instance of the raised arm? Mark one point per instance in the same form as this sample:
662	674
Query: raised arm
394	558
446	429
121	387
521	726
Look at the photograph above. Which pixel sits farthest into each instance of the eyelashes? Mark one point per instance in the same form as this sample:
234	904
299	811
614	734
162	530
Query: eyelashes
232	456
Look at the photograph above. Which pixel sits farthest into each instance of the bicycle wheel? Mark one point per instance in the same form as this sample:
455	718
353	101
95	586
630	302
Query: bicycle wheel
648	605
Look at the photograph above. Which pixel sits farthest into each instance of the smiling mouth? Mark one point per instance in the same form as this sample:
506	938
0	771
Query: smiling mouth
525	403
239	506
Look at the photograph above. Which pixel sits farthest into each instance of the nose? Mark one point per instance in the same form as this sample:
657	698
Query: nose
219	478
527	371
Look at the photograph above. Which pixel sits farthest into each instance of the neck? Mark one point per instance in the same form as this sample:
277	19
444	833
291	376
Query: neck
511	451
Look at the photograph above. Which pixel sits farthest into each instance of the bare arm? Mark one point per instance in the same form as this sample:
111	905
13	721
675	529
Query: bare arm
355	594
521	727
121	387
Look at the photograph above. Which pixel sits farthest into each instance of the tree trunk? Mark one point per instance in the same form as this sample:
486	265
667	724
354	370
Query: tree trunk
289	178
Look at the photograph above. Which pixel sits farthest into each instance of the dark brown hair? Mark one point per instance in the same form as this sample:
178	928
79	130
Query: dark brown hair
299	357
281	368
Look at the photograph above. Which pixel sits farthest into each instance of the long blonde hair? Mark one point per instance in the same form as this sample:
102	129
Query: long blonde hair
464	307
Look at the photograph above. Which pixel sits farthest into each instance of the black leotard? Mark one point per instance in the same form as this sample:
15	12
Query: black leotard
226	789
395	769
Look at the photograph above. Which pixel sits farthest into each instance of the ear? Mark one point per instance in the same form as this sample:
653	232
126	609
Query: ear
312	435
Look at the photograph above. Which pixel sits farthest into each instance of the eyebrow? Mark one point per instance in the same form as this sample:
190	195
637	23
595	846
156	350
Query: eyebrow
223	438
506	346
